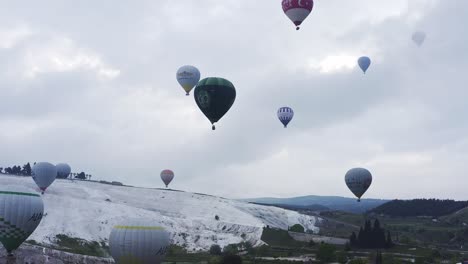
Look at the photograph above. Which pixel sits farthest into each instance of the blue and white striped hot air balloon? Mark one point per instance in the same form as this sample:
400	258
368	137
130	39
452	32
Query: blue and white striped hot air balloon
285	115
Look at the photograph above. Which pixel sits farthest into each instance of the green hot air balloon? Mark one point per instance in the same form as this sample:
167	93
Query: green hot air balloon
21	212
214	96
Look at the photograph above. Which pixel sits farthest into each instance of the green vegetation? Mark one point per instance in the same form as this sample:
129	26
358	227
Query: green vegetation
80	246
297	228
326	253
420	207
278	237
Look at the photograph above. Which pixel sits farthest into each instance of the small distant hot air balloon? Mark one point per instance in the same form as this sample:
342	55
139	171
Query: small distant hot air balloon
418	37
188	76
167	176
214	96
297	10
44	174
364	63
63	170
358	181
132	243
285	115
21	212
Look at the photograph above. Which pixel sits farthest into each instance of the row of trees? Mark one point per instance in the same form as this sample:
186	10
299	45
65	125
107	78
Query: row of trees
371	236
420	207
26	170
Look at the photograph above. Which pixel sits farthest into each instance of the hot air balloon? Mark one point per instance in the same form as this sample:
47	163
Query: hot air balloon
418	37
44	174
214	96
364	63
134	242
167	176
188	76
358	181
285	115
297	10
63	170
21	212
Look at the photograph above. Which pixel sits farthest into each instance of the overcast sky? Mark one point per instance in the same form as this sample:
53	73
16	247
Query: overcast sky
92	83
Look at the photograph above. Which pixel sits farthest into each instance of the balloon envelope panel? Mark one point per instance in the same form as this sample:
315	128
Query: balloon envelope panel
44	174
358	181
138	244
20	214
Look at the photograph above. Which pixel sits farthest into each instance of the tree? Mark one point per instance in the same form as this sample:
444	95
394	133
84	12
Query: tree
215	250
27	169
389	242
353	240
216	217
81	176
1	170
326	253
231	259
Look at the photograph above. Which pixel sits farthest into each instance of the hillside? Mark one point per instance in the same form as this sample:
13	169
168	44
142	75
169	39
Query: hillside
420	207
88	210
331	202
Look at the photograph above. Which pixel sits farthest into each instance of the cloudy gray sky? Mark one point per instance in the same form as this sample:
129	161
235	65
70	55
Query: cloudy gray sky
92	83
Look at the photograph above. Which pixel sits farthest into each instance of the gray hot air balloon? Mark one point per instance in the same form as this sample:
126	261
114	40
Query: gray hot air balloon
44	174
20	213
418	37
167	176
63	170
358	181
138	242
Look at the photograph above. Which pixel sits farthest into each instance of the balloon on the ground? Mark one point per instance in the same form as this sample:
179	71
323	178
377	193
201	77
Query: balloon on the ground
285	115
358	181
140	243
63	170
418	37
214	96
364	63
167	176
188	76
297	10
21	212
44	174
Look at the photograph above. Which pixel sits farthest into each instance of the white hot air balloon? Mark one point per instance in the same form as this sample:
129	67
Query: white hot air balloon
137	242
188	76
418	37
358	181
44	174
21	212
63	170
167	176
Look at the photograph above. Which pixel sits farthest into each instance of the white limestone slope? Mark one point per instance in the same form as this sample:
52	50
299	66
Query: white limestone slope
88	210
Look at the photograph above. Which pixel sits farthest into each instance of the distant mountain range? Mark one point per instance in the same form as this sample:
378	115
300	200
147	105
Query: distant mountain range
321	203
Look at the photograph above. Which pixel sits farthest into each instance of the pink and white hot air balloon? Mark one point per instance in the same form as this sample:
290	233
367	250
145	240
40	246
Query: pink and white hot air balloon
297	10
167	176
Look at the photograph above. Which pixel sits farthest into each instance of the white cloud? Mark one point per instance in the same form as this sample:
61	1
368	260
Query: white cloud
62	55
